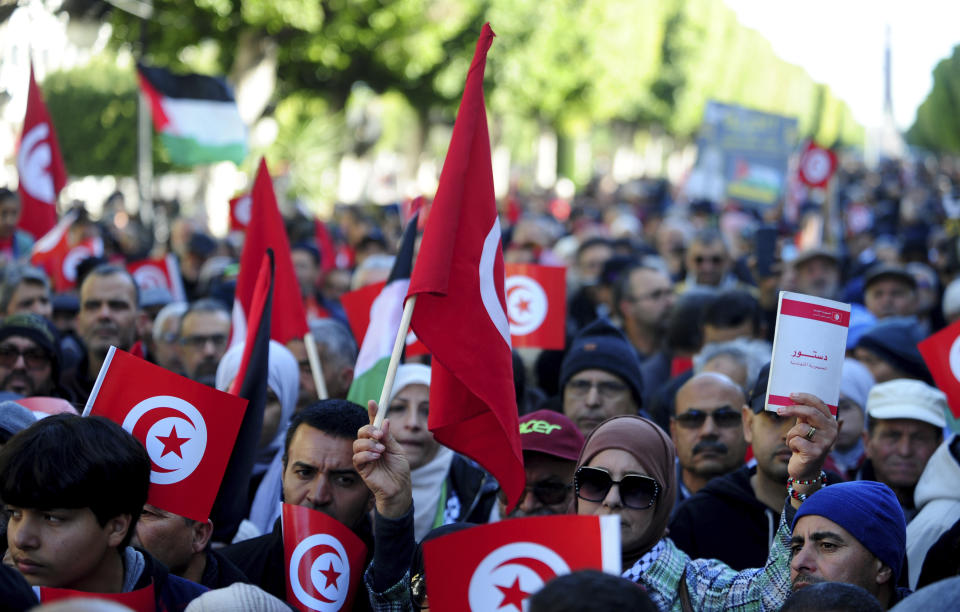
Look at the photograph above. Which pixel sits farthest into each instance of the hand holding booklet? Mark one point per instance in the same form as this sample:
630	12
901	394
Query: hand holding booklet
809	345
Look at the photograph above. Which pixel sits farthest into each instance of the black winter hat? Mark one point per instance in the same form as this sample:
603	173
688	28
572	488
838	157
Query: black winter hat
895	341
601	346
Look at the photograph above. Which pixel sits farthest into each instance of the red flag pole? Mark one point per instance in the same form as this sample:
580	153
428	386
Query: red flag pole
394	360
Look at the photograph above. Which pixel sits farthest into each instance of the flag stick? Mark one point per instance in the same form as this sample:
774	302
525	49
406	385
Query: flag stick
316	368
394	361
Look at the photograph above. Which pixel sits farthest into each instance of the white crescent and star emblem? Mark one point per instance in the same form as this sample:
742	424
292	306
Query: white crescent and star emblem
816	165
174	434
527	304
73	259
954	358
242	210
33	164
510	574
150	277
329	573
488	289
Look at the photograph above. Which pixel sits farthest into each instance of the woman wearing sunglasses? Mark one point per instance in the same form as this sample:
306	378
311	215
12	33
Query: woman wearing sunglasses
627	468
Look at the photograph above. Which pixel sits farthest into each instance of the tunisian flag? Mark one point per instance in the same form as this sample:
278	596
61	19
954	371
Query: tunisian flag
460	314
187	428
498	566
58	258
161	272
40	166
323	559
537	305
265	231
941	351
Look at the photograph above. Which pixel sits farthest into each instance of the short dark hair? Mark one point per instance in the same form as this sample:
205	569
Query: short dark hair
203	305
335	417
68	461
8	194
590	590
622	287
732	308
589	243
835	596
109	269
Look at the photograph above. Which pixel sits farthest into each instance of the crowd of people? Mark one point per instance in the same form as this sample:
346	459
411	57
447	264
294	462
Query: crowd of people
654	411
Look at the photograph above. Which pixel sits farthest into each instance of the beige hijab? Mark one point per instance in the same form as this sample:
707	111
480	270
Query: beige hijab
656	454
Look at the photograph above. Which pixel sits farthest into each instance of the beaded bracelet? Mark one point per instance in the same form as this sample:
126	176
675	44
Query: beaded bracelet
802	497
820	480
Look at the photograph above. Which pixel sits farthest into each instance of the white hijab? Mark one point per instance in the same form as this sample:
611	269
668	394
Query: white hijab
283	378
427	479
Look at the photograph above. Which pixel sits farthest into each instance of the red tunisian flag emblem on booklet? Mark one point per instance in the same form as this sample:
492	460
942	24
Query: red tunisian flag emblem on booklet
324	560
809	345
498	566
189	436
536	305
941	351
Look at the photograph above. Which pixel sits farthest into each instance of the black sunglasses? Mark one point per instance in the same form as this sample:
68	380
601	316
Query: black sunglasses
547	492
636	491
33	358
694	419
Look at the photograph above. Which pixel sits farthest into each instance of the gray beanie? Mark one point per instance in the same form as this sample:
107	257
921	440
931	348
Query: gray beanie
13	418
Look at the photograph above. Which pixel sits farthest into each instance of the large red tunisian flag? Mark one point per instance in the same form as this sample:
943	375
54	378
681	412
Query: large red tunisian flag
324	560
460	313
187	428
498	566
265	231
941	351
40	166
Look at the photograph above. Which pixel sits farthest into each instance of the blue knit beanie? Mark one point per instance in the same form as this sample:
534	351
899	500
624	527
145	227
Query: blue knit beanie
870	512
601	346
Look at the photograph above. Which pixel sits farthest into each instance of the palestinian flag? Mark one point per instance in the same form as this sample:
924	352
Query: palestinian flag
385	314
195	115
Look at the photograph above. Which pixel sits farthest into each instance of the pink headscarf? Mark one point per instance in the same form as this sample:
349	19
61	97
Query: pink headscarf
656	454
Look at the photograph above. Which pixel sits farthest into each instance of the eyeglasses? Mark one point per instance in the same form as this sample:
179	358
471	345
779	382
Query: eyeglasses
636	491
714	259
656	296
218	340
547	492
694	419
34	358
608	389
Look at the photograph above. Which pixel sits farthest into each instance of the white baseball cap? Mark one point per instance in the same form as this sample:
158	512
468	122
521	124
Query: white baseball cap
908	399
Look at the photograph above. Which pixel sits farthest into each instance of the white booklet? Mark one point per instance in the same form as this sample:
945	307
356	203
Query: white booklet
809	345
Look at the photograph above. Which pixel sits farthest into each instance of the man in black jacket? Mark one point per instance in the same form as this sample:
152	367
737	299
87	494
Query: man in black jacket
734	517
328	469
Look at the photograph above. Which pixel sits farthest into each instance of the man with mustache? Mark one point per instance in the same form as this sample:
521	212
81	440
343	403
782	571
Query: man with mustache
852	532
202	339
707	431
29	356
109	313
905	427
734	517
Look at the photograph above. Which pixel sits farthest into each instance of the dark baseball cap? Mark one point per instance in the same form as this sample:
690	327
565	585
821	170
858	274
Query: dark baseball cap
550	433
882	271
